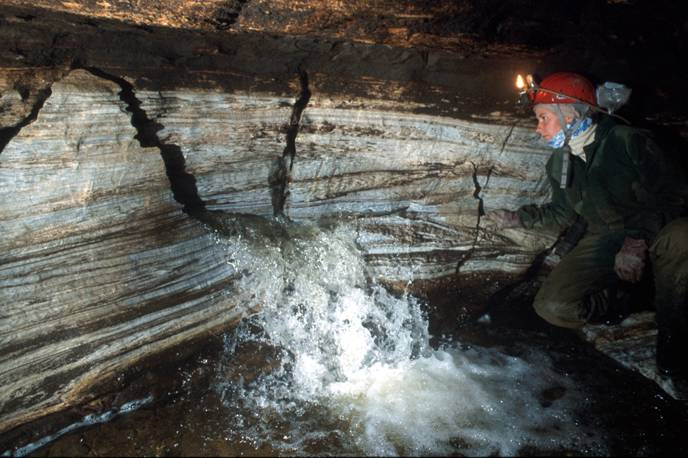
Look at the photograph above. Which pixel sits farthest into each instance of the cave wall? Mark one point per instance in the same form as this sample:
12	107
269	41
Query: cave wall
99	265
406	181
113	120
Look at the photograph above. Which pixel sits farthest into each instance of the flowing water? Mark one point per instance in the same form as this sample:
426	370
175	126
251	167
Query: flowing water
334	364
351	351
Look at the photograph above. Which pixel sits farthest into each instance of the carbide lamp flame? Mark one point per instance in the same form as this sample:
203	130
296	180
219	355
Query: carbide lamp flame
520	84
524	86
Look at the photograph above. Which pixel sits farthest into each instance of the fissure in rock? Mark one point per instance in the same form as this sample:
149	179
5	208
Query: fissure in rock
481	204
480	213
182	183
280	173
8	133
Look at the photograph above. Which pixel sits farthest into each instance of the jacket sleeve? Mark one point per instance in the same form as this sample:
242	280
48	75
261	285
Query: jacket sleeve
558	213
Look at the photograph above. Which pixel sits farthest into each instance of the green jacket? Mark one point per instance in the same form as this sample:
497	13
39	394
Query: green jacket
628	184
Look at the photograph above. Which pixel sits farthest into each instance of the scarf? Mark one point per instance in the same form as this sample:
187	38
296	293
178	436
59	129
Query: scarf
560	138
581	140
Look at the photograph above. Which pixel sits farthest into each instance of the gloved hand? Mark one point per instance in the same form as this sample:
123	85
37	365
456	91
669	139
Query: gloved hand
502	219
630	260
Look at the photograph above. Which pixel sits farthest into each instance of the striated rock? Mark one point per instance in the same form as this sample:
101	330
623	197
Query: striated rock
416	185
99	267
406	181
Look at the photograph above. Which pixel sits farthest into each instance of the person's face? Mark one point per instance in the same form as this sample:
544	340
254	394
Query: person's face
548	122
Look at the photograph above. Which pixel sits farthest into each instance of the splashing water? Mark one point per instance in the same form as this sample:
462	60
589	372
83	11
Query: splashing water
351	369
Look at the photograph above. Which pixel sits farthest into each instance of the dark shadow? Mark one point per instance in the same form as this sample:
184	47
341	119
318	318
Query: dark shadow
8	133
182	183
280	172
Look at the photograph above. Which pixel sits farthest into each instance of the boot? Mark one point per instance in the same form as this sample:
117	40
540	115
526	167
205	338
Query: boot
672	354
672	337
609	306
614	303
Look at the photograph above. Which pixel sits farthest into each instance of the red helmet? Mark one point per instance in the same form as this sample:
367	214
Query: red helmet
576	87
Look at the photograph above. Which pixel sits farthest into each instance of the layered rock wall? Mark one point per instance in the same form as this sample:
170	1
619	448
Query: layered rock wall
101	266
408	181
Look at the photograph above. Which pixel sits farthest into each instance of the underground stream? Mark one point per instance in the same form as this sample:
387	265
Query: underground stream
334	364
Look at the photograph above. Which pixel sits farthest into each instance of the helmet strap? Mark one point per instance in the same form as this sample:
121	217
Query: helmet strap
568	131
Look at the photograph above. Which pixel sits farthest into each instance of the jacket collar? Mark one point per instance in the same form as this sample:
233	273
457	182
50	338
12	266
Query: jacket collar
604	125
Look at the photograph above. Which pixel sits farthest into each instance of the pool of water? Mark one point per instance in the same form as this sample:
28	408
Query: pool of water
520	394
335	364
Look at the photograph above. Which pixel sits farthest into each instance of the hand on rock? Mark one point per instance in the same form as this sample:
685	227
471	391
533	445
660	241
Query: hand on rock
630	260
502	219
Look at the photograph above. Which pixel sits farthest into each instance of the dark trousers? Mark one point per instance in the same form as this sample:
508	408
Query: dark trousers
589	268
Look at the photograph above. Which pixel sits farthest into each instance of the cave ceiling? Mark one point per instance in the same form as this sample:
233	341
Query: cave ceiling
457	57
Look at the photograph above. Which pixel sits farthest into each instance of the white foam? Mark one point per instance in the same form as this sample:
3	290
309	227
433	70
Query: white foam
475	402
361	355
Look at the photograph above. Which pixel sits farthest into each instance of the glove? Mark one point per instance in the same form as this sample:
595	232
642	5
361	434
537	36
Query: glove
629	262
502	219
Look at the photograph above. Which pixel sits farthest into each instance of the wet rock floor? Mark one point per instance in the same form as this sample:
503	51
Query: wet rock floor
638	417
190	417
